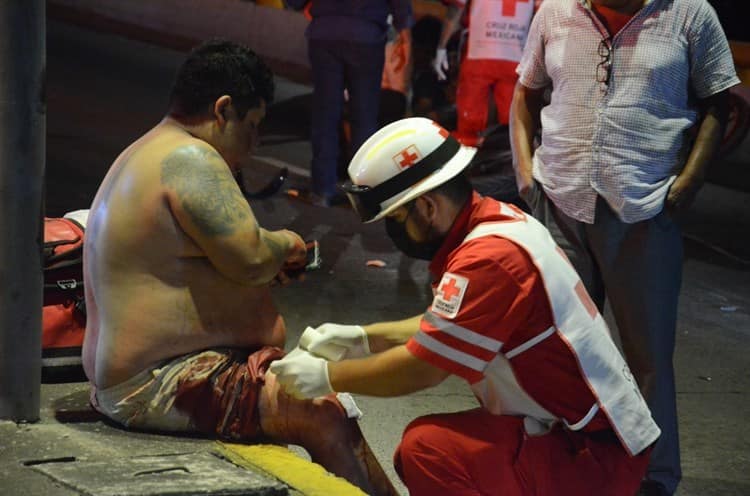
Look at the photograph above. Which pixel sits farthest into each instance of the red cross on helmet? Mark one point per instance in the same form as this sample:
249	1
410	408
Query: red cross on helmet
400	162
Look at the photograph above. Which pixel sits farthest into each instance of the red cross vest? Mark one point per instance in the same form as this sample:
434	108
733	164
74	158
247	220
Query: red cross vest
581	326
498	28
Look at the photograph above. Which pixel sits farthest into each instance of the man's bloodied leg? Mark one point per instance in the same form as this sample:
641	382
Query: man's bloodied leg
322	427
230	393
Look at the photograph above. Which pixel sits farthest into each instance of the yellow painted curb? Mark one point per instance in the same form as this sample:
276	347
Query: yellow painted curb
304	476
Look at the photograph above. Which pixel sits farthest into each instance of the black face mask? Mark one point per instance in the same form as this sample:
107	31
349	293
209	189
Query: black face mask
424	250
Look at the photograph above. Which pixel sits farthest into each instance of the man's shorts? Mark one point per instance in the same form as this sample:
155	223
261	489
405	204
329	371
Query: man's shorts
212	392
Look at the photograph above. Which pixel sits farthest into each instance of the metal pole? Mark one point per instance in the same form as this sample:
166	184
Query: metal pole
22	155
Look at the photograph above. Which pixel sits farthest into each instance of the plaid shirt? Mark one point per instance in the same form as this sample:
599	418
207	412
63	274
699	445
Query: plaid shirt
627	139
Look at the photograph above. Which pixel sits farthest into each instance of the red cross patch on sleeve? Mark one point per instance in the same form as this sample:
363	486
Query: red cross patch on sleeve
449	295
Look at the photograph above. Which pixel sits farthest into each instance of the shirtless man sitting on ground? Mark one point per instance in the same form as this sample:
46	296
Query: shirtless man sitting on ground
181	324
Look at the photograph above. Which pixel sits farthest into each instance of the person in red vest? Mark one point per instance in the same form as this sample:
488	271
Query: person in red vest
560	414
497	32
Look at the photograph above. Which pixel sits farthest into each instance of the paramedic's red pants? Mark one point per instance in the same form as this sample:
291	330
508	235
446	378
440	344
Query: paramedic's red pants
477	453
475	80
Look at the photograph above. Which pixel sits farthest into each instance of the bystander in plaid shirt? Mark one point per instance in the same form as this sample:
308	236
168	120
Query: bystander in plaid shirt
622	106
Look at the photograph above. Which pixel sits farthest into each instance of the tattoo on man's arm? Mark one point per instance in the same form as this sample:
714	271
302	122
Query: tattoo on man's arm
210	196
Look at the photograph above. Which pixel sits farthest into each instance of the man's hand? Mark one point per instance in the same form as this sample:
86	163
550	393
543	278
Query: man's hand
302	374
440	63
526	186
335	342
682	193
524	123
297	252
714	115
295	260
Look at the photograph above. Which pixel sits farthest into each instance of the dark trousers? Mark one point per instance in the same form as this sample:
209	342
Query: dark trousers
336	65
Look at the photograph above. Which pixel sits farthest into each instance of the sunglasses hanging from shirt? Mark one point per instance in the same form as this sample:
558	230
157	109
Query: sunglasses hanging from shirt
604	68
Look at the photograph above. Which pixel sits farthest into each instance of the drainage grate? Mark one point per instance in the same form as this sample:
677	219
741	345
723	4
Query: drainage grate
201	474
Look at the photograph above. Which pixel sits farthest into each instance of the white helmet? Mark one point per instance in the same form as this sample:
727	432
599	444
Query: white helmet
400	162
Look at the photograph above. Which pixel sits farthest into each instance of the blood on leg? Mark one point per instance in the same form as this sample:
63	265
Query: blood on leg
323	429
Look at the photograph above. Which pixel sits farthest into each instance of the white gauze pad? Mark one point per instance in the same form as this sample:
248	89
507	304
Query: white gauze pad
347	401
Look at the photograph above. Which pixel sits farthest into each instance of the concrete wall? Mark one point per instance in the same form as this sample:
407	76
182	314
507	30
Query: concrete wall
276	35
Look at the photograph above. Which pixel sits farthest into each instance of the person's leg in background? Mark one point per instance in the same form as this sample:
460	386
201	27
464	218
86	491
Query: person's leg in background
392	107
641	265
502	90
474	81
328	95
364	72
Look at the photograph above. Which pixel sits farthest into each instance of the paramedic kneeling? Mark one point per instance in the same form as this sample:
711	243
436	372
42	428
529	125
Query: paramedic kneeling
181	324
560	412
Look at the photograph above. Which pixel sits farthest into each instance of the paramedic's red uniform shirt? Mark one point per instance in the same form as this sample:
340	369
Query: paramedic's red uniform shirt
503	299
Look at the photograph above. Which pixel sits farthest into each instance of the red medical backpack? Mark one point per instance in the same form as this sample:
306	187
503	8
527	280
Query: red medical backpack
63	311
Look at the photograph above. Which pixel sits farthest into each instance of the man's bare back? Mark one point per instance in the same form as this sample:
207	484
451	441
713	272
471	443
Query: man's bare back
156	295
181	325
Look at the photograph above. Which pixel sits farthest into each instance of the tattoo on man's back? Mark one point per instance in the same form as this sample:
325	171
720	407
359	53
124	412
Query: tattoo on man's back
210	196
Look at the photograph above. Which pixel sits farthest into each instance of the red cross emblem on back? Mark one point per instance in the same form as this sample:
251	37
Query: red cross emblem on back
509	7
407	157
449	289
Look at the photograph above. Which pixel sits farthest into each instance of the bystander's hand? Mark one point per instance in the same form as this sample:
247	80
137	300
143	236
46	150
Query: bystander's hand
682	193
526	185
440	63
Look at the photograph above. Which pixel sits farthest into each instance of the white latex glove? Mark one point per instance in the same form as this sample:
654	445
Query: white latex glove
440	63
335	342
302	375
